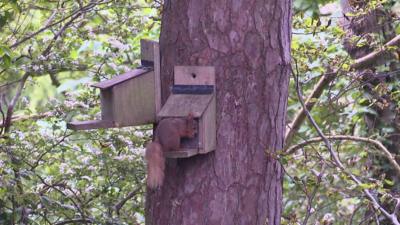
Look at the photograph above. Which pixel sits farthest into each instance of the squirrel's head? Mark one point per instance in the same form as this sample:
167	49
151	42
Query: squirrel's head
191	126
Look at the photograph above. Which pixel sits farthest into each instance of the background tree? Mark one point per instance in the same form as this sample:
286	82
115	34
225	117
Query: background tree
340	100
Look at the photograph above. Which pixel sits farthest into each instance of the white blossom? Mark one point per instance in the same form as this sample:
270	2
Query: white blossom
91	168
117	44
139	133
89	188
87	178
48	179
21	135
328	218
137	151
85	159
35	68
124	157
70	193
65	169
94	150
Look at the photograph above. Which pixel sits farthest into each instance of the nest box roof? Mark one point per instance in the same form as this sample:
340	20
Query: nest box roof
180	105
121	78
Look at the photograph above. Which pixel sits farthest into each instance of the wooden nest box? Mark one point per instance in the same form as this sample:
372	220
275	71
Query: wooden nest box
193	92
132	98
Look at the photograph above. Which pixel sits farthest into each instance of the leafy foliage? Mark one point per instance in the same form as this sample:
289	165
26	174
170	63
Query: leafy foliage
51	51
48	174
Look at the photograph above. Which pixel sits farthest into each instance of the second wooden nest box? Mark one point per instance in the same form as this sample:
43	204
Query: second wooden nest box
132	98
193	92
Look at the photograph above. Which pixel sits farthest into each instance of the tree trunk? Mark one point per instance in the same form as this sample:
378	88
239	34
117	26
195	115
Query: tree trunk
248	42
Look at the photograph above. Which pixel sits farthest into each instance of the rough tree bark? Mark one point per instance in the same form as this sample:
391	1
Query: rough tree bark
248	42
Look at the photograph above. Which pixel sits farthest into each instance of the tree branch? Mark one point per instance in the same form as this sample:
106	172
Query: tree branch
376	143
373	56
36	164
397	206
21	118
74	221
79	11
310	102
310	198
9	83
58	34
10	109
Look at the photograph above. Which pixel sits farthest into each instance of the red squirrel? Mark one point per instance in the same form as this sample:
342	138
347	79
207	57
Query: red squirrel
167	137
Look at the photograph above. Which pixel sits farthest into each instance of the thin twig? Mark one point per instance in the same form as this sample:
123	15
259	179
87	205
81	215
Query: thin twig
354	213
58	34
310	102
376	143
64	186
10	83
311	198
36	164
15	99
397	207
74	221
79	11
122	202
21	118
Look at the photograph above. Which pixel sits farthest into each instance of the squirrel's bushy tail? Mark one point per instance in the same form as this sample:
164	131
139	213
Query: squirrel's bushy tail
155	165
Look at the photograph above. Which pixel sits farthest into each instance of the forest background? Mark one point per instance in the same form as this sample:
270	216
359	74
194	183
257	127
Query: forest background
51	51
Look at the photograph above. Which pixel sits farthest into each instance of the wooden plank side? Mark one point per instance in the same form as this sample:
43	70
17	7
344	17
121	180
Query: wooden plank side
210	133
194	75
181	105
106	104
134	102
121	78
201	129
183	153
91	124
147	50
157	77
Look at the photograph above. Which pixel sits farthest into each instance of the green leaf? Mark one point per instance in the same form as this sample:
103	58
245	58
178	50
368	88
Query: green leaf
47	202
366	186
6	61
74	54
4	50
389	182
